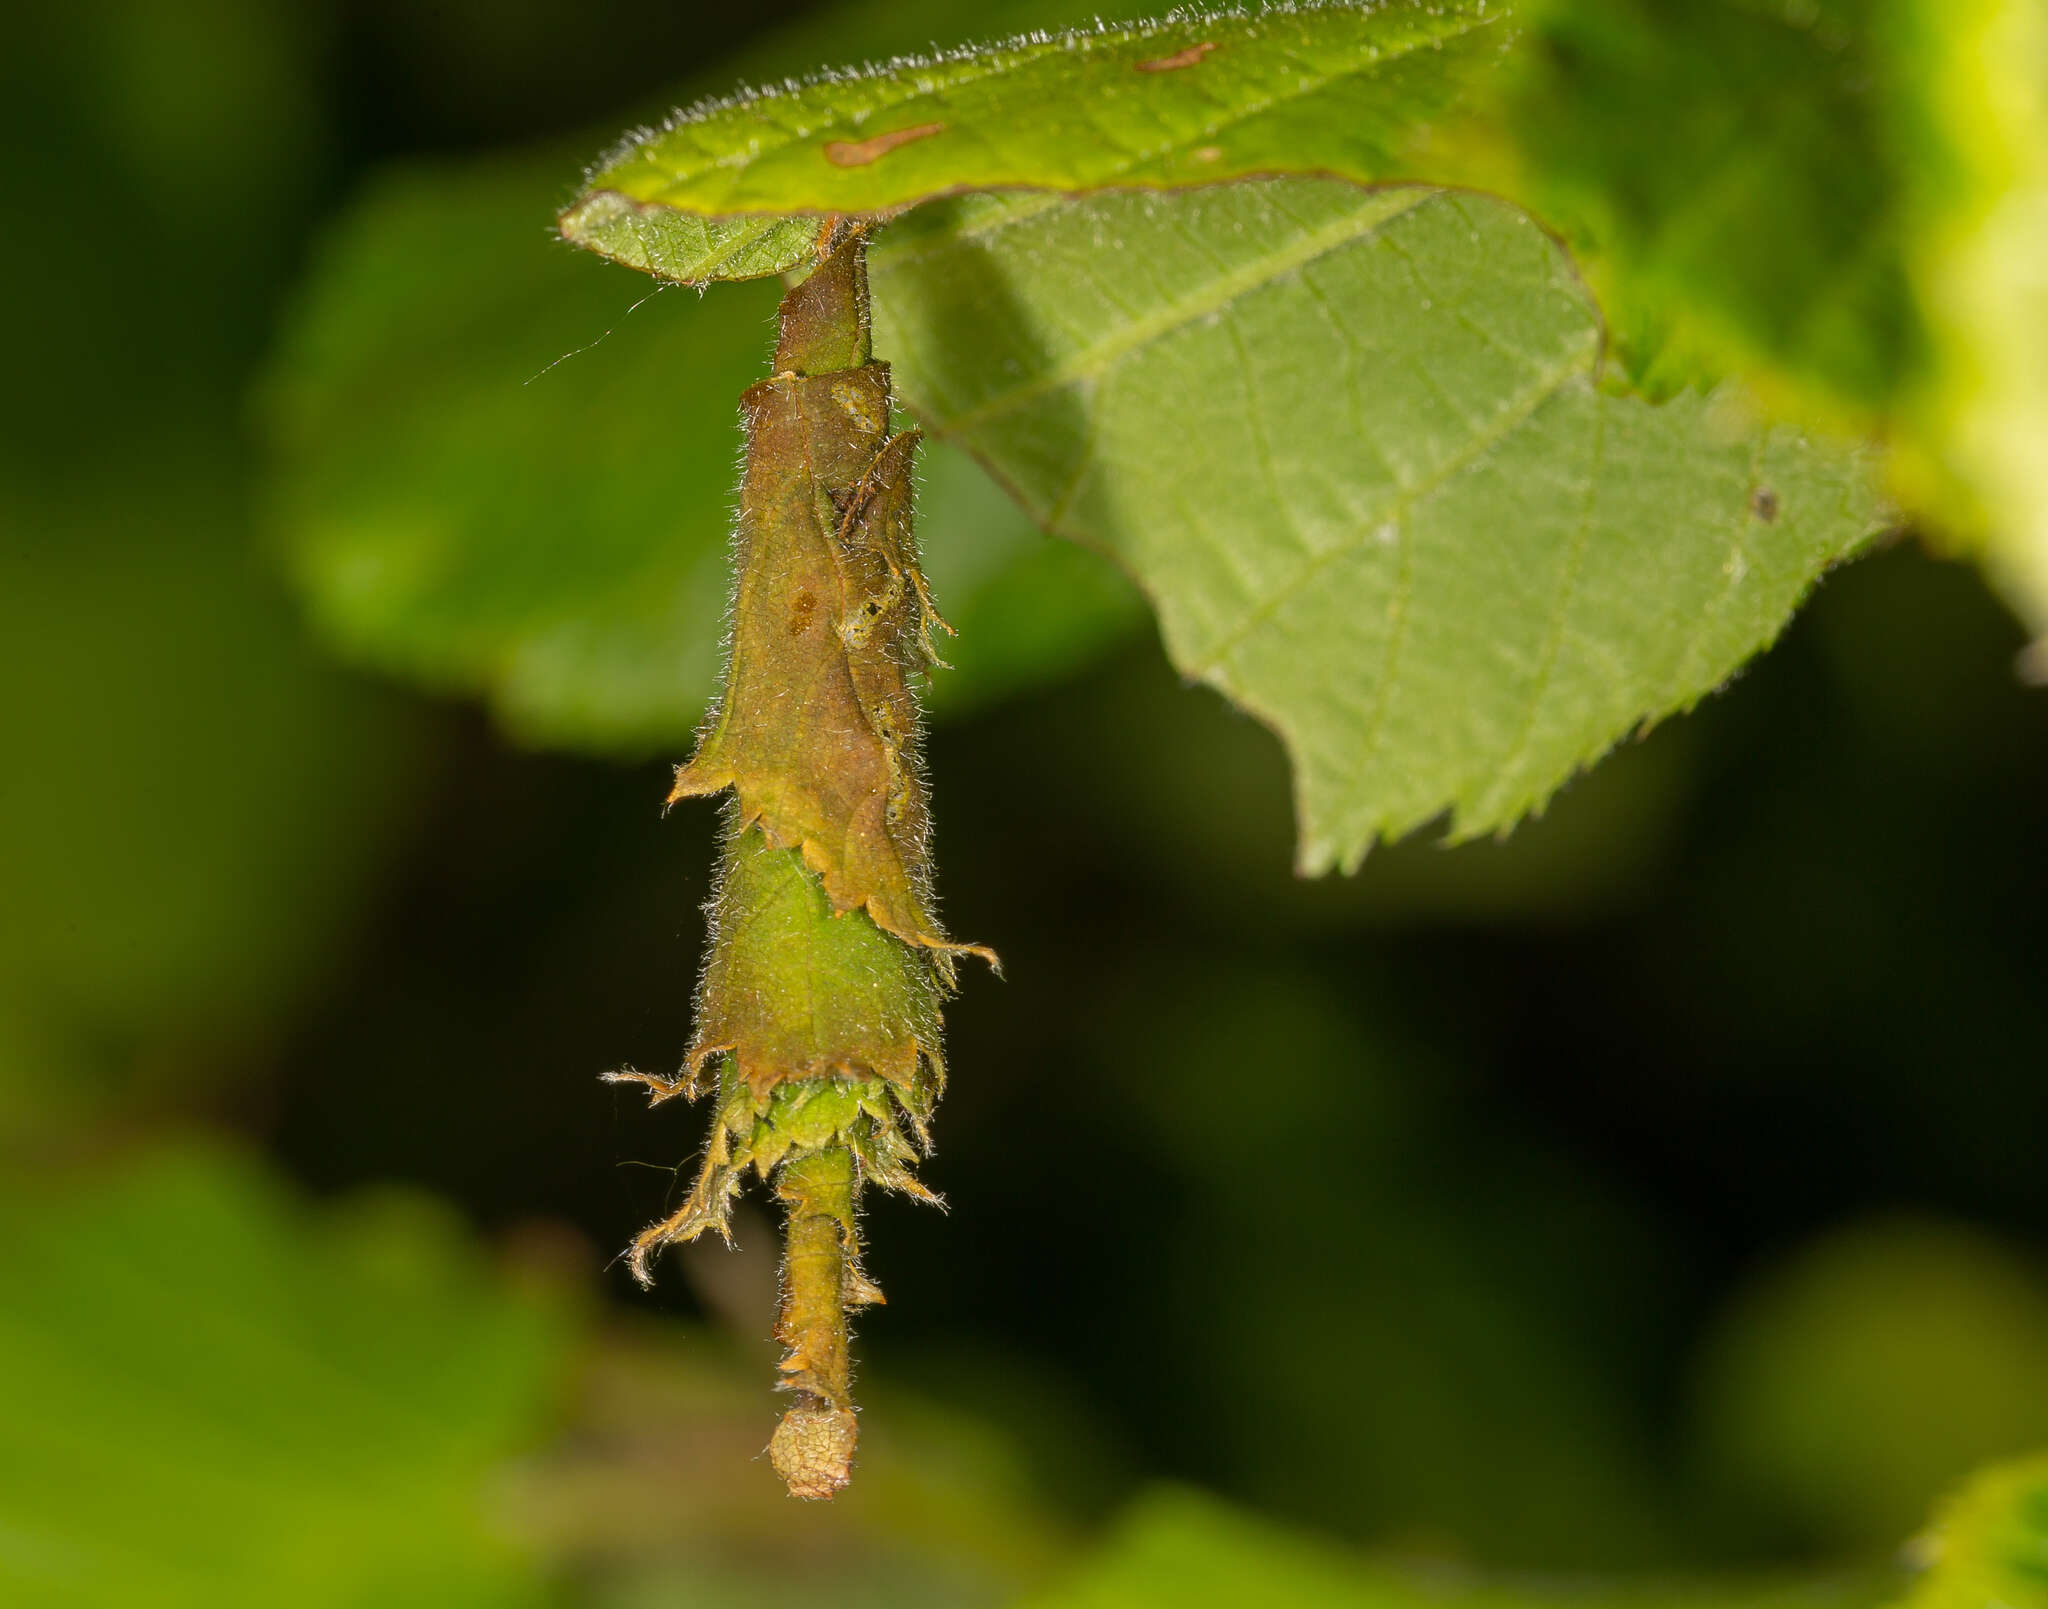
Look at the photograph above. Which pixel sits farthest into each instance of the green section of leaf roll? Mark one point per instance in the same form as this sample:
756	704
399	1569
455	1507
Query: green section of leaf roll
794	991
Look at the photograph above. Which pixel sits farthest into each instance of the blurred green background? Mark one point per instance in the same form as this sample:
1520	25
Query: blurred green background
1660	1190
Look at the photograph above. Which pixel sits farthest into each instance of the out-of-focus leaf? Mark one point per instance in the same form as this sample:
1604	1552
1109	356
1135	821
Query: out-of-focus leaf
1989	1543
1193	99
1973	77
1351	445
1849	1388
1179	1550
1847	201
1027	609
1760	228
195	803
496	471
208	1398
192	117
192	797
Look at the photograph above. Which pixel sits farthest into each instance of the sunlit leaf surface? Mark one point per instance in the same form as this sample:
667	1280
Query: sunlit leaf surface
1192	99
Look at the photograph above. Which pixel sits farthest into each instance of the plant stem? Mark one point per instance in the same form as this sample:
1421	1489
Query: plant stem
821	1280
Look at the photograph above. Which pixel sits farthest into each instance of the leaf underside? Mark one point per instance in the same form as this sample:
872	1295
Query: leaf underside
1351	444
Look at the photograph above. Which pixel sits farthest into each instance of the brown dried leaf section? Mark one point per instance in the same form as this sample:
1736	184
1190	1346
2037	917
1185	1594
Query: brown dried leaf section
817	729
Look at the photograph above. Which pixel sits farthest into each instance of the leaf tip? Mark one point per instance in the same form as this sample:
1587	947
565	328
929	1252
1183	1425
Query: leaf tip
601	221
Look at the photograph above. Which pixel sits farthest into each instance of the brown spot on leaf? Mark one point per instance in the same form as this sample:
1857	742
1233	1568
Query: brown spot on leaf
1763	503
1208	153
859	153
1179	59
800	613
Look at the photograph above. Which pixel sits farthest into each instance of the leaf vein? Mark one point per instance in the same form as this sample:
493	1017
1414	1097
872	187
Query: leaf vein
1213	297
1514	416
1568	586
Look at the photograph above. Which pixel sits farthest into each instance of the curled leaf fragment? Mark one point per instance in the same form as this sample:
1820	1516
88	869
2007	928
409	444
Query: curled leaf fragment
818	1015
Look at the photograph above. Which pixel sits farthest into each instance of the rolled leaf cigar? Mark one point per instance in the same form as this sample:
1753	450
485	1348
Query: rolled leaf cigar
817	1024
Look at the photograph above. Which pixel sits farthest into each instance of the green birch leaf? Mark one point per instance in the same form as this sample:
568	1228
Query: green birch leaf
1351	444
459	507
1191	100
1874	1368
